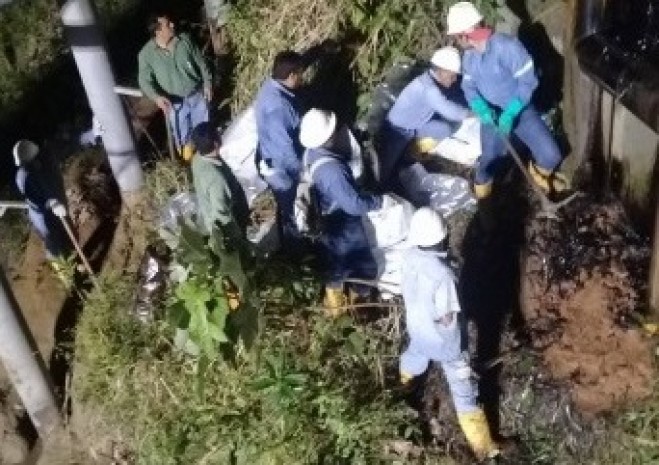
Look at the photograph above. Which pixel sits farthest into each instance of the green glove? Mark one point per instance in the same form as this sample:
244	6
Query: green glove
510	113
483	110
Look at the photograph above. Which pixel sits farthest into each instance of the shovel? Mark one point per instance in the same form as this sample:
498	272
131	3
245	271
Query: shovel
81	254
548	209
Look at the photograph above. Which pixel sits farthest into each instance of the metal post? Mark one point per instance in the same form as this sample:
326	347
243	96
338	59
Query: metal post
88	47
24	365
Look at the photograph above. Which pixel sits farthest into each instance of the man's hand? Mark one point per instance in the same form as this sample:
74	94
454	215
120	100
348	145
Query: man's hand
208	93
163	103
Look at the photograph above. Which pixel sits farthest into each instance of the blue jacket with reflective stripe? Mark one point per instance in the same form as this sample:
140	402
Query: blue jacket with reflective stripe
277	112
420	101
336	188
501	73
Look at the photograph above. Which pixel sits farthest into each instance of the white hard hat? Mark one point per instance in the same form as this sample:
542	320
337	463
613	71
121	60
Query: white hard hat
427	228
462	17
447	58
25	151
317	127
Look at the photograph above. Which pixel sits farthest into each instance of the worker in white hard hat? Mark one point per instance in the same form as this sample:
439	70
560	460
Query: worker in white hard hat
43	192
498	81
433	321
423	113
345	245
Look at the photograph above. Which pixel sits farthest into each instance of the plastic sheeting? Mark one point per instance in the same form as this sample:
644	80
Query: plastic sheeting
464	145
152	284
239	143
387	230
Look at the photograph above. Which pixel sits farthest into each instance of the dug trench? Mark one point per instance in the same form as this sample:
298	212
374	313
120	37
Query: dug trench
51	307
555	311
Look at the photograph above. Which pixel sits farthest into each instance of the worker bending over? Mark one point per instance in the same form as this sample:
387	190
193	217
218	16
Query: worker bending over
220	196
342	205
174	74
42	188
432	318
498	81
422	113
278	112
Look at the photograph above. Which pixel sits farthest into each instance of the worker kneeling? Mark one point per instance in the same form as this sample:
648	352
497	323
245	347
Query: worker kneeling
432	314
423	114
341	205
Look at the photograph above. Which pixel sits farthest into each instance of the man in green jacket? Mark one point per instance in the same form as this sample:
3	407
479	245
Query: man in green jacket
220	196
174	74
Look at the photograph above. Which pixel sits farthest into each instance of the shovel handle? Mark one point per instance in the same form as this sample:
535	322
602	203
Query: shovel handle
518	160
81	254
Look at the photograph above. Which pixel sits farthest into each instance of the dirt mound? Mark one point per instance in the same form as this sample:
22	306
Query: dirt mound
583	287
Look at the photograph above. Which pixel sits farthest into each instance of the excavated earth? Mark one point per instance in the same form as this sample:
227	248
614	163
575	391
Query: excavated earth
583	291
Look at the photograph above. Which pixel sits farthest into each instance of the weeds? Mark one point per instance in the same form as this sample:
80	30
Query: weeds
308	393
376	32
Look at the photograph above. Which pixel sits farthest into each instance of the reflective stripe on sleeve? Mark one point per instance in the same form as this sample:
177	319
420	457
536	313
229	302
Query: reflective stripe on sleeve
528	66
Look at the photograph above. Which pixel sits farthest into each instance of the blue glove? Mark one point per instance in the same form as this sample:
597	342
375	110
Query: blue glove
509	115
483	110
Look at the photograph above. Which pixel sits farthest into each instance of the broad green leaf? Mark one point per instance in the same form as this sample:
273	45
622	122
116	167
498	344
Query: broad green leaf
178	315
192	248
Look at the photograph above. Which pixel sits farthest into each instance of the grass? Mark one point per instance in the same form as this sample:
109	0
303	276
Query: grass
313	391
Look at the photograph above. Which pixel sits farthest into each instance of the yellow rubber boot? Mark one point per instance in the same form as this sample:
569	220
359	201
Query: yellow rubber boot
477	431
187	151
559	182
482	191
420	148
405	378
541	176
334	301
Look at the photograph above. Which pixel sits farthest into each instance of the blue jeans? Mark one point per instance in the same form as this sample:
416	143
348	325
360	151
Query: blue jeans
51	232
185	114
284	184
347	251
532	131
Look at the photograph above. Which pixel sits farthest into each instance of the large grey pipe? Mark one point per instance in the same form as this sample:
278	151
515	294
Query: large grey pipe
23	365
89	51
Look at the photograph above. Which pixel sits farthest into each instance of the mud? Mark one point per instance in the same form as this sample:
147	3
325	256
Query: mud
583	295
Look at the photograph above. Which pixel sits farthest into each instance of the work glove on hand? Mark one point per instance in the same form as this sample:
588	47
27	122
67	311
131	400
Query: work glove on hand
483	110
57	208
509	115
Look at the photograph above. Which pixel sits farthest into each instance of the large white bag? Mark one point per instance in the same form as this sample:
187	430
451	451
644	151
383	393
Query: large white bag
463	146
239	143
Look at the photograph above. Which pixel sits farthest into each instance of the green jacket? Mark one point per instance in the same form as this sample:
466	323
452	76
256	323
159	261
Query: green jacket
176	73
220	196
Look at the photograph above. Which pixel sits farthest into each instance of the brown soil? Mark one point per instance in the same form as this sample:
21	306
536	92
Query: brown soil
579	307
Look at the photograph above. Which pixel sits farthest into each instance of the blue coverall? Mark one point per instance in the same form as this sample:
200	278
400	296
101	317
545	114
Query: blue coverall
278	112
38	188
429	293
421	110
500	74
342	206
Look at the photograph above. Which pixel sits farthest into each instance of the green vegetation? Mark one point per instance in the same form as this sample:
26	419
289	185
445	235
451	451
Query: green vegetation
31	34
378	33
310	390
